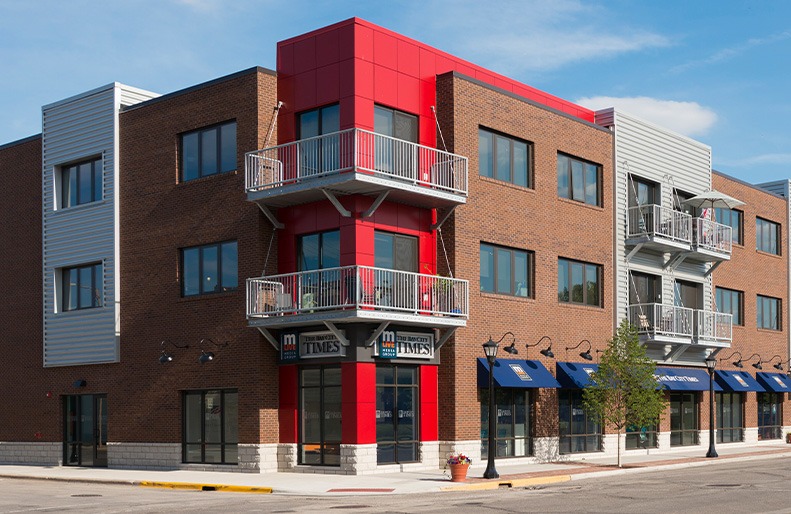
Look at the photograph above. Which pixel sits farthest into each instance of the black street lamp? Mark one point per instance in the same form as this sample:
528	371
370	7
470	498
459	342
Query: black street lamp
490	349
711	362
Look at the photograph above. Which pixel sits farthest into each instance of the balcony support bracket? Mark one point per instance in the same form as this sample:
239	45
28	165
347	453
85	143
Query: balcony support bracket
337	204
376	333
712	268
443	219
634	250
444	338
271	217
336	331
675	260
372	209
269	337
675	353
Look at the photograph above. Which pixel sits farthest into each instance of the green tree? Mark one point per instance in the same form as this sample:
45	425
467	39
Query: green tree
624	391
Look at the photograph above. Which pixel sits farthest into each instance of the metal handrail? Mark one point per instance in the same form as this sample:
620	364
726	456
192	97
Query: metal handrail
657	318
714	326
655	220
355	149
713	236
357	287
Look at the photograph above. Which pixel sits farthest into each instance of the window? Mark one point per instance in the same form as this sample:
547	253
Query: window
770	416
396	414
579	432
684	428
642	192
319	251
731	302
579	180
767	234
579	282
506	271
316	122
645	288
730	417
504	158
769	313
82	287
319	154
513	437
81	183
397	124
638	437
320	416
210	431
209	269
395	251
733	219
208	151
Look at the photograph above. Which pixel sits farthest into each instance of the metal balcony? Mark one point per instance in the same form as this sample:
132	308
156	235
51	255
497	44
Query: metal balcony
659	228
714	328
661	323
711	241
355	161
356	293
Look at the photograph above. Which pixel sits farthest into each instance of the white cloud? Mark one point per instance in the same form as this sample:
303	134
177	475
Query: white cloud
688	118
768	158
731	52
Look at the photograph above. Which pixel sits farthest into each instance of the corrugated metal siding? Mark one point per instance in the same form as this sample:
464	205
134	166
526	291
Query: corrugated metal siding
656	154
82	127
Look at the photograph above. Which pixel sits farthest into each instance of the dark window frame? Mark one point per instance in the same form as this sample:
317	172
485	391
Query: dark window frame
564	262
224	443
685	436
396	114
97	174
514	287
772	246
505	446
322	113
568	193
770	430
301	265
201	165
96	286
396	385
734	433
324	444
726	217
493	136
571	441
762	302
219	288
719	295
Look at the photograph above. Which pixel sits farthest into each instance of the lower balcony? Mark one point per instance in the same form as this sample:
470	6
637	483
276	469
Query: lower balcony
711	241
660	323
357	293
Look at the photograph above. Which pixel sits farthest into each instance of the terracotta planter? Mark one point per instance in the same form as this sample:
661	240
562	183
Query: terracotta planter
788	437
458	472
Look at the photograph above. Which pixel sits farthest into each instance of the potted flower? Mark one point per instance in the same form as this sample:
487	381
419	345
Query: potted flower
788	437
458	464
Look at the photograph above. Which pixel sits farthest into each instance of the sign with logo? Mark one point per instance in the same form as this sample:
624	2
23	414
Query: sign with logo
779	382
314	345
288	347
676	378
520	372
405	345
740	380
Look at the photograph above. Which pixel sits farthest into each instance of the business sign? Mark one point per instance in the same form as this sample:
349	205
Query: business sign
740	380
314	345
288	347
779	382
405	345
520	372
676	378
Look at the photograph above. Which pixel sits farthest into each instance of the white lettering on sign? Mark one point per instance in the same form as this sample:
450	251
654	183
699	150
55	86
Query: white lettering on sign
381	414
521	373
406	413
503	412
674	378
320	344
780	382
414	345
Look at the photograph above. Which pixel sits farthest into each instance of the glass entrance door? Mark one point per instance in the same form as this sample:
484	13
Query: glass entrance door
683	419
396	414
85	430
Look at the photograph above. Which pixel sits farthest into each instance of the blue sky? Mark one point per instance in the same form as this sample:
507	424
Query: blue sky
716	71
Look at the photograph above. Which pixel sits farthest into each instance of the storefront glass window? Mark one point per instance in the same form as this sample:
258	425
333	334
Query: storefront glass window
579	432
513	423
730	417
683	419
770	416
320	420
396	414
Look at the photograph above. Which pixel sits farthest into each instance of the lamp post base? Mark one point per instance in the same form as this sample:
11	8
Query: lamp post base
712	452
491	473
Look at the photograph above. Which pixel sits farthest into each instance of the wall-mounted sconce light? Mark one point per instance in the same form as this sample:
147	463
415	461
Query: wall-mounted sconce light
737	363
779	365
166	357
205	356
587	353
79	384
756	365
546	352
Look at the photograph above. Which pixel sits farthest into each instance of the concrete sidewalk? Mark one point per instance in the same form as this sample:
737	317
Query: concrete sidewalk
315	484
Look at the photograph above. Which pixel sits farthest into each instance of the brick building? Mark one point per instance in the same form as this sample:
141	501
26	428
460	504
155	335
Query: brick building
296	270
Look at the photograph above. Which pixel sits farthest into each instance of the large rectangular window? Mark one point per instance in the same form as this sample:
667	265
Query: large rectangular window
396	414
731	302
209	269
320	416
733	219
579	432
505	158
211	429
579	282
506	271
770	416
769	313
513	437
579	180
81	183
684	429
82	287
730	417
208	151
397	124
767	236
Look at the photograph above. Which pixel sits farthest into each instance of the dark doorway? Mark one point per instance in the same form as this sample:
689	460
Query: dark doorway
85	430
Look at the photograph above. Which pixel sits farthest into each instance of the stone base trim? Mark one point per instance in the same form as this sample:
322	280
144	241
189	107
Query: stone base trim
31	453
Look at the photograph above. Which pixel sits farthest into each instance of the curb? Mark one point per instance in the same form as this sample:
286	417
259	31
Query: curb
517	482
194	486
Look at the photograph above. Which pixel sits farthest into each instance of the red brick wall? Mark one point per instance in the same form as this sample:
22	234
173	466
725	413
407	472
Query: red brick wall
159	216
534	219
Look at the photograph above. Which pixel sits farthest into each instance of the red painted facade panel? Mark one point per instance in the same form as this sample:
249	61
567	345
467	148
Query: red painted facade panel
288	385
305	55
305	91
428	403
364	78
408	59
328	84
386	86
327	48
385	50
358	403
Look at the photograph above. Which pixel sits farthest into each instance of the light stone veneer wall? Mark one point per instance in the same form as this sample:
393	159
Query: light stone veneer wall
253	458
42	454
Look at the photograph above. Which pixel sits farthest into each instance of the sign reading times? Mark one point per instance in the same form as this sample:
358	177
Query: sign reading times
405	345
310	345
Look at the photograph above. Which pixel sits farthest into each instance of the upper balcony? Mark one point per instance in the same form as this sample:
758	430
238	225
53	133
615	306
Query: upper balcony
672	324
357	293
667	230
355	161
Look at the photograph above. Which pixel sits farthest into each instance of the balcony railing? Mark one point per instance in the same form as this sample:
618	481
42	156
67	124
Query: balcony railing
659	319
355	150
714	326
713	236
658	221
357	287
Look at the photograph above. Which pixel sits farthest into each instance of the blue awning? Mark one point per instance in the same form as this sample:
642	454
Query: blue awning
775	382
737	381
516	373
575	375
684	379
